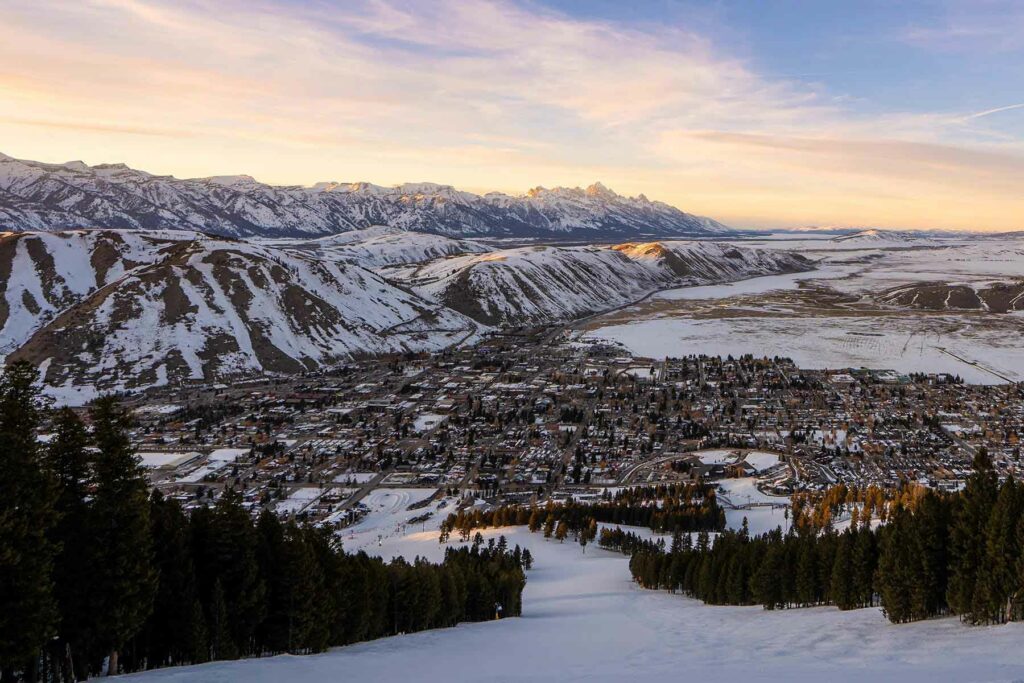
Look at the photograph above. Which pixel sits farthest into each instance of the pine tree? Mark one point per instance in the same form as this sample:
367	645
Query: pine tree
766	583
896	568
125	575
70	462
967	535
230	557
176	629
998	577
931	539
28	616
865	561
222	645
806	572
841	587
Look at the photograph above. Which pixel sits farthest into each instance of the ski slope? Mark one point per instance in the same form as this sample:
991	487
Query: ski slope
585	621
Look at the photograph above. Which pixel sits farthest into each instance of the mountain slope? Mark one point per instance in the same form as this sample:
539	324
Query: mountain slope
534	285
203	307
875	237
116	310
39	196
380	246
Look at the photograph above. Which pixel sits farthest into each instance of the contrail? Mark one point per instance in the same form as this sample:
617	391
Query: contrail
993	111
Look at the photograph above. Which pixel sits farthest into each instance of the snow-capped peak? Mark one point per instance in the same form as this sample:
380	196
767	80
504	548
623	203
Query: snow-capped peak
42	196
599	190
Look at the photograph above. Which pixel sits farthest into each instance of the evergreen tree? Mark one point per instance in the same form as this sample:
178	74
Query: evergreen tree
998	573
229	557
896	568
930	524
28	616
865	561
175	632
807	572
125	576
841	587
967	535
73	570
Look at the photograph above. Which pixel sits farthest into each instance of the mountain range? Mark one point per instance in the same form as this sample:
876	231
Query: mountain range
116	310
72	195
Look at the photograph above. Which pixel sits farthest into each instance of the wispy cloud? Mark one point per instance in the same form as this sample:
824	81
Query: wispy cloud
472	92
989	112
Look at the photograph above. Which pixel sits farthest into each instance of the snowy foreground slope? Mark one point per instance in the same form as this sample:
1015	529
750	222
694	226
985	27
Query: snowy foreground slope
585	621
40	196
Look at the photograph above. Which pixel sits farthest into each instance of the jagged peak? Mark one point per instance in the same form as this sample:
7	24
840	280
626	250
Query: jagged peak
420	206
598	189
230	180
424	188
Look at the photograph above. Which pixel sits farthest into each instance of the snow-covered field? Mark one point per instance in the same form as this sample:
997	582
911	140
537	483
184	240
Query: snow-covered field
831	317
388	517
763	513
585	621
717	457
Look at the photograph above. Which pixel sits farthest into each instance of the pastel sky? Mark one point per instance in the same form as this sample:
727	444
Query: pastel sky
760	113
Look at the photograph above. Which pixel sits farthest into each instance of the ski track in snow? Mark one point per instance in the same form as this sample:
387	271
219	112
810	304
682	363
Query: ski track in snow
584	620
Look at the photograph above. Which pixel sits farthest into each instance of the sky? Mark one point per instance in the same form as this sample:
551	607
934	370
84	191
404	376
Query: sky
776	113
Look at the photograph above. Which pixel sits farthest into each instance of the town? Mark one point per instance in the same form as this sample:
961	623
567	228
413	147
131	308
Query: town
533	415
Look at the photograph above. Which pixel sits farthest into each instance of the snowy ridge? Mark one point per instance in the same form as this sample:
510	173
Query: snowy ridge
200	308
532	285
875	237
381	246
39	196
42	274
116	310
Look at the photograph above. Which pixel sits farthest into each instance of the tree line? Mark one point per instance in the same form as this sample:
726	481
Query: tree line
937	554
98	575
665	508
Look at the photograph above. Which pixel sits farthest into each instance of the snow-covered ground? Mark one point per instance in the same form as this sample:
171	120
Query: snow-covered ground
757	285
388	518
899	343
761	461
355	477
717	457
584	620
763	513
833	317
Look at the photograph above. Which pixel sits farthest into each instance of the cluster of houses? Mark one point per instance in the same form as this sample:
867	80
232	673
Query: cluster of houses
524	417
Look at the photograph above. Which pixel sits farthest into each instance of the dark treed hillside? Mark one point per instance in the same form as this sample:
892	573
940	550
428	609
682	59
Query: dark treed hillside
936	554
95	574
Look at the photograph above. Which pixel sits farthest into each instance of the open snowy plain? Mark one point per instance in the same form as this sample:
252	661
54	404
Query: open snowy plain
910	307
584	620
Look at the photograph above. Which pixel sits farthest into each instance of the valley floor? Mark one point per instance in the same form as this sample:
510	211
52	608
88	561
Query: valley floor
585	621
